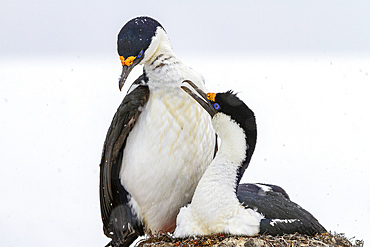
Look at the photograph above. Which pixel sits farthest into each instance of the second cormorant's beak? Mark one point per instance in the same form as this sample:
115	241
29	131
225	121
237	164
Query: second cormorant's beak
127	65
200	97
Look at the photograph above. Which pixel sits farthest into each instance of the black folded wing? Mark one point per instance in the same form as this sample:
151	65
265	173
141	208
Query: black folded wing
119	222
282	216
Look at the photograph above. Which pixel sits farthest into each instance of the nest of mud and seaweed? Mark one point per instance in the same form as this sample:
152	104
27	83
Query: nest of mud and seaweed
327	239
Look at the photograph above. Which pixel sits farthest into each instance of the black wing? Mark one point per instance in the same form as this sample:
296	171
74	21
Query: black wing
119	223
282	216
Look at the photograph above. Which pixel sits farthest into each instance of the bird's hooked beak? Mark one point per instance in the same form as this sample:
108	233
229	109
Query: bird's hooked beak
127	65
200	97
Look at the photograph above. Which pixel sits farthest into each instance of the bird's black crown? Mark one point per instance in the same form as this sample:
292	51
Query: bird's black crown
136	36
231	105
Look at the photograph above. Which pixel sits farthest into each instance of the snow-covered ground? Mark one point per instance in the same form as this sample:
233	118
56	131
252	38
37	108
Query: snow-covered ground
313	138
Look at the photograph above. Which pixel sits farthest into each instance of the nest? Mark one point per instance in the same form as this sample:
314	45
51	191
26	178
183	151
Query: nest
322	240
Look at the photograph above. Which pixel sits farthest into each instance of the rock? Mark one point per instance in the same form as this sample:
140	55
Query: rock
218	240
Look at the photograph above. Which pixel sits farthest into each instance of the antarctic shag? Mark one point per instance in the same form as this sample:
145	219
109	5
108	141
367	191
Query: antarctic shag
160	140
219	204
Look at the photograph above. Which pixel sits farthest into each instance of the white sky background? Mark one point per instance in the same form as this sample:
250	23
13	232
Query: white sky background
41	27
302	67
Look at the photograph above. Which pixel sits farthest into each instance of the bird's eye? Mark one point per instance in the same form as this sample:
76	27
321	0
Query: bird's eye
140	54
216	106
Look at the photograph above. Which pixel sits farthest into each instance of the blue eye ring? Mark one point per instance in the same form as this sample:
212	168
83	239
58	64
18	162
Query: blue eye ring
140	54
216	106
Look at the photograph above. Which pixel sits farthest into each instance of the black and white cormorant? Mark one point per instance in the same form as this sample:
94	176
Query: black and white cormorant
160	140
219	204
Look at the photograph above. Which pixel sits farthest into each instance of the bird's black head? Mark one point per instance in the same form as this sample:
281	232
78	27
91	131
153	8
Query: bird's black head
230	104
133	40
136	35
227	103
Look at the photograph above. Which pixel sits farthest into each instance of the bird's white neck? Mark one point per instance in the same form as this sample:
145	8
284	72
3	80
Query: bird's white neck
160	45
215	207
221	176
233	141
161	65
163	68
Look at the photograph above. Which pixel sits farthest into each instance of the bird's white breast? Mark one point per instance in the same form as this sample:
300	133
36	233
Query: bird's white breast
166	153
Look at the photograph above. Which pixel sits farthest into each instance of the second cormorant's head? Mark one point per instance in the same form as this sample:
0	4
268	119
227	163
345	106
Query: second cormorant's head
228	103
136	43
